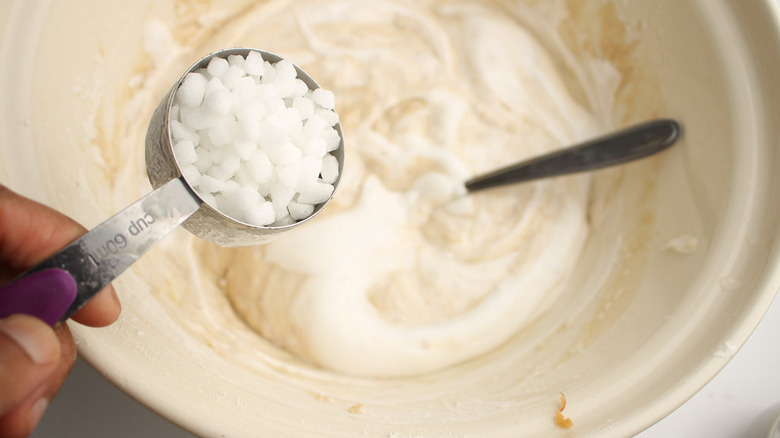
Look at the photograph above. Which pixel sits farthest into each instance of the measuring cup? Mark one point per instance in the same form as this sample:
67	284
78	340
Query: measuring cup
59	286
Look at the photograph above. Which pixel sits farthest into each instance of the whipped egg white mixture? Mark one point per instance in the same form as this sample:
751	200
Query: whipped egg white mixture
404	273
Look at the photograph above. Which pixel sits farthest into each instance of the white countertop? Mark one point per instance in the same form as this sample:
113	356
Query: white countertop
743	400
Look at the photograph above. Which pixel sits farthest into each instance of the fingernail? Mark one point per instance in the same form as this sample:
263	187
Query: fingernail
36	411
34	337
46	294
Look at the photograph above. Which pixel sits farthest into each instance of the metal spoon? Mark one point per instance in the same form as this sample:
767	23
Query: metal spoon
629	144
91	262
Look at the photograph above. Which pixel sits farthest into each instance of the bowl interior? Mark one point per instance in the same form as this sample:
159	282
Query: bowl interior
640	328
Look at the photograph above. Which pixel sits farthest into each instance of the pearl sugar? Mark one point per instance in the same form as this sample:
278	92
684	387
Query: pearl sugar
254	141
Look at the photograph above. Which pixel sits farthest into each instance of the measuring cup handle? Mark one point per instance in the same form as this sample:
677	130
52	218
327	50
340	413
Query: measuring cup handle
98	257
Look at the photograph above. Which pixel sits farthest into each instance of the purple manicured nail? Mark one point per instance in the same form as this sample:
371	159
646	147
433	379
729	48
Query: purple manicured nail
47	295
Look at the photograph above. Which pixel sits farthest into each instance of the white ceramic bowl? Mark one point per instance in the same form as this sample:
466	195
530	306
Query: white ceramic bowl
652	336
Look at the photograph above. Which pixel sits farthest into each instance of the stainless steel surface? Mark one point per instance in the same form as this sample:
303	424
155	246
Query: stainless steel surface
99	256
620	147
208	223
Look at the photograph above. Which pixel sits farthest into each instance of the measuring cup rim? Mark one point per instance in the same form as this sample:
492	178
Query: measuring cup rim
273	58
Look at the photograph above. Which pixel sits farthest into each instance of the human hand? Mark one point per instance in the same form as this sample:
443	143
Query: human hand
34	358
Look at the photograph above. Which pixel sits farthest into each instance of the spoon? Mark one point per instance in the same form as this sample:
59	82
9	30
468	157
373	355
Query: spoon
626	145
59	286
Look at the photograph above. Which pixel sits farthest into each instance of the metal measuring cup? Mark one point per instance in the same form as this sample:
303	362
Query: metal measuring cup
98	257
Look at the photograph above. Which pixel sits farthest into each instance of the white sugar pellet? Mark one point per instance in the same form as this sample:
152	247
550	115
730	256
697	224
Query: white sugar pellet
316	148
284	155
260	215
264	188
260	167
332	139
245	179
214	84
273	105
219	101
271	135
264	92
185	153
248	130
316	193
286	86
290	175
209	184
324	98
245	149
330	169
191	174
236	60
269	73
299	88
281	195
222	133
309	172
218	154
253	109
231	76
208	198
288	119
201	118
300	211
181	132
244	89
241	199
192	89
331	117
305	107
230	187
217	66
314	126
230	161
254	64
204	161
219	173
253	140
283	222
285	71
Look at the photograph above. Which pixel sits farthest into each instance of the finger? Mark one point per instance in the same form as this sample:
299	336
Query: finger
29	351
21	420
102	310
32	232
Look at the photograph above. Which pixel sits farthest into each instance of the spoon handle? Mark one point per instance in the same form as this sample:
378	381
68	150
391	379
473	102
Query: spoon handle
629	144
98	257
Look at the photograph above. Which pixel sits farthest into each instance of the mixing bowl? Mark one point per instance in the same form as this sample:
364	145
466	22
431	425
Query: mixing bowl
669	285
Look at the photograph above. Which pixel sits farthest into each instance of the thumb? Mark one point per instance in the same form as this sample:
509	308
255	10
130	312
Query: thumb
29	352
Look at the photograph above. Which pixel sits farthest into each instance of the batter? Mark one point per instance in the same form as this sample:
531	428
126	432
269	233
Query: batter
404	274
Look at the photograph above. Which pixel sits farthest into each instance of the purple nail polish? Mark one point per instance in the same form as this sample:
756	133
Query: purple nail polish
47	295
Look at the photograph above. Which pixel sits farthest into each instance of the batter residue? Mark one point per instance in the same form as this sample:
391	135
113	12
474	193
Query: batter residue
403	274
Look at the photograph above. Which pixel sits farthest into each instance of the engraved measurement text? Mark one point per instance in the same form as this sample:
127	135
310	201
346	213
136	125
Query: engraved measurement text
119	241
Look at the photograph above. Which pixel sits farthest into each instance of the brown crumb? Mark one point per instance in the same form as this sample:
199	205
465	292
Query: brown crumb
356	409
322	397
560	420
